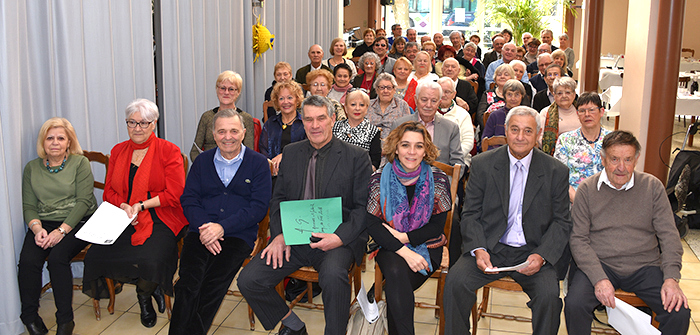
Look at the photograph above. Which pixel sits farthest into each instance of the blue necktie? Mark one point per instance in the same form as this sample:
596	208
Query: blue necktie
514	235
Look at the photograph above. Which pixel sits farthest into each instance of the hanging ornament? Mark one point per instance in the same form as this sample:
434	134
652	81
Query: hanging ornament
263	40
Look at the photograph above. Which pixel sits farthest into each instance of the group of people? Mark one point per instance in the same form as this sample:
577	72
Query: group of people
367	134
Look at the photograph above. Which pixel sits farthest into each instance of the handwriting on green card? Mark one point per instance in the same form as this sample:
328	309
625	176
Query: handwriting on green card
300	218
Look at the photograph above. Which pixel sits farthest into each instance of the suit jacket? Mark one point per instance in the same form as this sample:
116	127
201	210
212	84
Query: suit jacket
446	137
489	57
345	174
541	100
546	217
304	70
538	82
466	92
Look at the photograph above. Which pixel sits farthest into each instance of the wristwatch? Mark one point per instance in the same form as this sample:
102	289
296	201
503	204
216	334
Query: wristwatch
62	231
143	208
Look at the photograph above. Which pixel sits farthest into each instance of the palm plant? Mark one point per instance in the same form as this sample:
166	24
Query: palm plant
521	15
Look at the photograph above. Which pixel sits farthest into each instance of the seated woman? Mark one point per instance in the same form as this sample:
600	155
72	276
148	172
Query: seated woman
228	89
387	108
339	90
407	208
337	50
580	149
405	89
560	116
520	69
397	48
368	36
423	65
496	124
494	99
369	62
357	130
145	178
320	82
57	198
286	126
559	58
283	72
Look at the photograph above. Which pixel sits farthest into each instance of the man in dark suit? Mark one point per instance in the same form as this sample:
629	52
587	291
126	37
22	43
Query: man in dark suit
341	170
516	209
545	97
495	53
316	57
537	81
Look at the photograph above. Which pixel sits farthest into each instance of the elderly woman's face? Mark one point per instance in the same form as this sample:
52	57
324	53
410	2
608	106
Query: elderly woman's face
589	115
342	77
502	77
411	150
385	90
282	75
56	143
402	71
513	99
227	94
564	97
287	101
139	134
338	48
370	66
356	109
469	53
448	54
519	71
320	86
559	61
422	64
369	38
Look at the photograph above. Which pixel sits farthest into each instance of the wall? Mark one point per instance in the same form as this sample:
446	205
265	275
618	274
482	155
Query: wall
691	26
356	15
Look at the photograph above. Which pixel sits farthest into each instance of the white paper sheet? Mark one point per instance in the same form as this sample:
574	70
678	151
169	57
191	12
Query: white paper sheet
369	309
628	320
105	225
509	268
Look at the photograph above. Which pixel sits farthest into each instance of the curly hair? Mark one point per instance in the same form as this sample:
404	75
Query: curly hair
294	89
391	143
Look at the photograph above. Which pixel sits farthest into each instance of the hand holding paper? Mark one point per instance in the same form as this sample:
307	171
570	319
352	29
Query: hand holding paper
301	218
105	225
507	268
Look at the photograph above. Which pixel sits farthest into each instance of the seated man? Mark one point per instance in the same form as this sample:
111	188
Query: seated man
381	48
316	57
226	194
495	53
509	52
543	48
516	209
624	236
444	133
320	167
537	81
545	98
410	51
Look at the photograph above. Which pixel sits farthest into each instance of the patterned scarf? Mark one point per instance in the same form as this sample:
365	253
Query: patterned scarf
360	136
343	90
394	201
551	130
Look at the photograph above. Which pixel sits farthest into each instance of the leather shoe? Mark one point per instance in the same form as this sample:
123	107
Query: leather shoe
160	299
148	314
66	328
289	331
37	327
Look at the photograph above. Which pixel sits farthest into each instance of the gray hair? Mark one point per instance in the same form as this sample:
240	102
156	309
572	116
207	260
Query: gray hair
447	80
371	55
514	85
226	113
381	77
456	32
470	45
564	36
147	108
546	54
429	85
318	101
411	45
564	82
524	111
518	62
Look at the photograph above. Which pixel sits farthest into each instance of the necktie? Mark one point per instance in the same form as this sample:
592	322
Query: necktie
310	188
514	233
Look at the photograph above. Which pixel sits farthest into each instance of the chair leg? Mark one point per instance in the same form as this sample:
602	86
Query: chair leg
474	320
110	287
378	280
168	306
438	294
251	318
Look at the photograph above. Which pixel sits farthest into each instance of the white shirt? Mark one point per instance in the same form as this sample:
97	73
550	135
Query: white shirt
604	179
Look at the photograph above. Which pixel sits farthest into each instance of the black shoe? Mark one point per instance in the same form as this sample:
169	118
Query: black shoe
289	331
148	314
66	328
37	327
160	299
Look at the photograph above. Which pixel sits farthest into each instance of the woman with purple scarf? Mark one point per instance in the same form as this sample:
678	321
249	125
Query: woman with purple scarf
407	207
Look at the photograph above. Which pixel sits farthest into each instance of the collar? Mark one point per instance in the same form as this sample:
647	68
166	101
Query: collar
219	158
525	161
429	122
315	68
604	179
444	111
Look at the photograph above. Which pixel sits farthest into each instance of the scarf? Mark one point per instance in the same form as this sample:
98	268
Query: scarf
551	130
343	90
139	189
395	205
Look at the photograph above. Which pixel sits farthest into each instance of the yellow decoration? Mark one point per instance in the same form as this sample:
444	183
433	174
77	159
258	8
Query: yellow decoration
263	40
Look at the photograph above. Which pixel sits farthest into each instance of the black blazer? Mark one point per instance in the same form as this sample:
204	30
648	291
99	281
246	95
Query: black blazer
345	174
304	70
541	100
546	217
489	57
466	92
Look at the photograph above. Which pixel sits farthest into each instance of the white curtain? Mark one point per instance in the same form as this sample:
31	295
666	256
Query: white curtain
82	60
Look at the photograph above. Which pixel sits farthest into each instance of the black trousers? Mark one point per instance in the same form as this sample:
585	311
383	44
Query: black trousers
645	283
257	283
204	280
465	279
31	263
401	281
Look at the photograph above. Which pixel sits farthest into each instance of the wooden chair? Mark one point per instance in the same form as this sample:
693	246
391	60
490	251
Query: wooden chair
633	300
98	157
267	104
492	85
492	141
475	85
692	51
454	173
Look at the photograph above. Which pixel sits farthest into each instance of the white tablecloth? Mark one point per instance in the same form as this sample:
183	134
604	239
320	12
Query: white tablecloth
688	105
685	105
687	66
610	77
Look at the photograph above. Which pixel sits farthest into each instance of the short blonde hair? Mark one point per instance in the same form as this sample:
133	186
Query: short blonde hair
426	54
58	122
392	141
357	94
282	65
367	31
293	88
559	54
233	78
504	68
320	72
429	43
405	61
336	40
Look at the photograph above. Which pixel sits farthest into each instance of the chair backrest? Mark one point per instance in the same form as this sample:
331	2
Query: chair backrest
454	173
266	105
96	156
185	163
692	51
486	116
493	141
492	85
475	85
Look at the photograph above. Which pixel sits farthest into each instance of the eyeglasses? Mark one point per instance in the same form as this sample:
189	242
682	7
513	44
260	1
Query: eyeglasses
229	89
142	124
560	94
591	110
319	84
358	89
380	45
387	88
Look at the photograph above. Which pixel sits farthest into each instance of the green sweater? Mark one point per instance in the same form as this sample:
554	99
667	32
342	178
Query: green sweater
66	196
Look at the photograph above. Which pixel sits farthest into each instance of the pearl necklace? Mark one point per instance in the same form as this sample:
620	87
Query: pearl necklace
58	169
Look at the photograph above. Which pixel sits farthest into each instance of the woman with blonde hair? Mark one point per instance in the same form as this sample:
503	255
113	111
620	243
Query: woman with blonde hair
286	126
57	198
559	58
282	73
229	85
405	88
337	50
423	66
494	98
397	48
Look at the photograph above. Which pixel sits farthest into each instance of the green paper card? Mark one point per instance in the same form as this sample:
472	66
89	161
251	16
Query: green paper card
300	218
